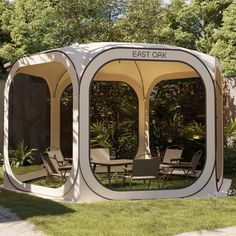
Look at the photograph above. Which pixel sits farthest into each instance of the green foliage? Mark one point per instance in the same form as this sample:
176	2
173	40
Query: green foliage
194	131
177	114
86	21
230	134
209	15
29	24
230	145
99	133
21	154
183	29
114	117
4	35
141	21
225	46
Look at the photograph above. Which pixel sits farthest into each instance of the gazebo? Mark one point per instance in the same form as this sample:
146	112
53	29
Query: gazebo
141	66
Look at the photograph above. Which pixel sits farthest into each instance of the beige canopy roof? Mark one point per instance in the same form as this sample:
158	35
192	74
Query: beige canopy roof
144	73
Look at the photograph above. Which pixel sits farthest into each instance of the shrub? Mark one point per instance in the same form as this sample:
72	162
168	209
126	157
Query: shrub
21	155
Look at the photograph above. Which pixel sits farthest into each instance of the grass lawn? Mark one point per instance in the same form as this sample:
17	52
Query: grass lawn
145	217
26	169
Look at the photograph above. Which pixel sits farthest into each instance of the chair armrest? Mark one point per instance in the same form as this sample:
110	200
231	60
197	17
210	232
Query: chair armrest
60	163
177	160
185	163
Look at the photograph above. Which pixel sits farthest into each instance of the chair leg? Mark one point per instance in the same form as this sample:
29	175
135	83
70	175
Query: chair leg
159	184
130	185
123	182
144	183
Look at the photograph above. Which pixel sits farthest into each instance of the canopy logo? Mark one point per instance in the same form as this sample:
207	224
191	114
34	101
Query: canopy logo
148	54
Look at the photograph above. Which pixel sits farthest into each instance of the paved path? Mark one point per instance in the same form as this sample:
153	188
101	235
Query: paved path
12	225
230	231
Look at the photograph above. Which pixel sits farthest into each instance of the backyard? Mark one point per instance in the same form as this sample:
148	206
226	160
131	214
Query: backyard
176	110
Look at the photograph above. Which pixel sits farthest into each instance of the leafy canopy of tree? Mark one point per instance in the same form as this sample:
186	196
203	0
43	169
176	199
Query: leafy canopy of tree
28	26
225	46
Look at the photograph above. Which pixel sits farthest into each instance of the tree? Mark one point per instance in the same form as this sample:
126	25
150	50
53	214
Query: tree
4	34
85	21
225	46
209	15
181	29
143	21
194	24
29	24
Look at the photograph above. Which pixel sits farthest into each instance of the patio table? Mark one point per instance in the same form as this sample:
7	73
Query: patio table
109	164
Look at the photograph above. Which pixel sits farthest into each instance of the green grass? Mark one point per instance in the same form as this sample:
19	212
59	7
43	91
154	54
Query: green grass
173	182
146	217
44	181
26	169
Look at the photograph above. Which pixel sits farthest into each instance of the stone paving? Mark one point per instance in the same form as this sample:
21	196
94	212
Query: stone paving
12	225
230	231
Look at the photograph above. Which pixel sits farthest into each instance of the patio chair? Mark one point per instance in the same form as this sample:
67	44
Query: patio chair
101	154
172	153
54	169
144	169
189	168
56	153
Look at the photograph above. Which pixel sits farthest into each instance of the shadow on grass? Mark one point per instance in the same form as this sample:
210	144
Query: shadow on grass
28	206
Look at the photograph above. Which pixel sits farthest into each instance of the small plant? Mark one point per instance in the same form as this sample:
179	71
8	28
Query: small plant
230	134
231	192
21	155
230	144
1	159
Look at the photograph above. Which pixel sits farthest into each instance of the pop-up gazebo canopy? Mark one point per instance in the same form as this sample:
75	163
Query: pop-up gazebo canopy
141	66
